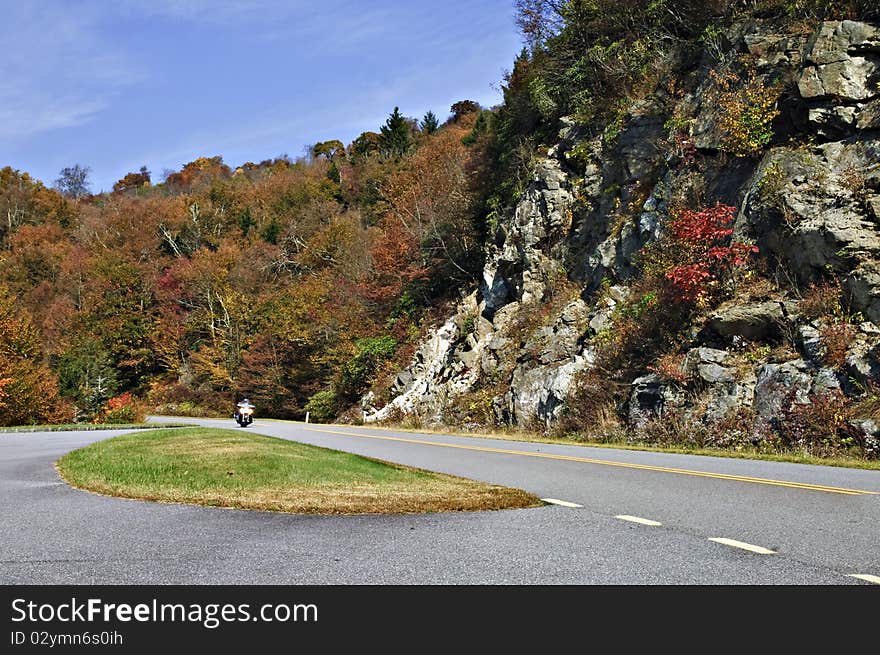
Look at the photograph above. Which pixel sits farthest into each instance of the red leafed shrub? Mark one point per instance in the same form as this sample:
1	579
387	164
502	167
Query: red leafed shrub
689	280
709	226
704	238
120	409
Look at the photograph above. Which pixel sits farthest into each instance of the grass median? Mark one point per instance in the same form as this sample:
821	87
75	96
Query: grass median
244	470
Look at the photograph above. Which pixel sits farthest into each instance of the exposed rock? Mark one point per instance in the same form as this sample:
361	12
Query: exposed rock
538	394
618	293
574	314
727	397
606	251
840	60
403	379
838	78
868	116
601	320
705	364
755	321
813	209
810	342
847	80
420	383
721	391
873	203
468	357
701	355
833	121
713	373
863	361
809	224
863	286
637	146
777	383
826	380
528	247
650	398
526	253
871	432
774	50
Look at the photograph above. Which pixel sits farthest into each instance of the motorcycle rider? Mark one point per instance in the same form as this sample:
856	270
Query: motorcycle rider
244	404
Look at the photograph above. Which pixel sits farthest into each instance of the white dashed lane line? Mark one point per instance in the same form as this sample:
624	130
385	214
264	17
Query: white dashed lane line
563	503
637	519
721	540
743	545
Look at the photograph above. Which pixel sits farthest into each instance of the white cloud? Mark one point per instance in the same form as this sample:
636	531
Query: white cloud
33	112
56	71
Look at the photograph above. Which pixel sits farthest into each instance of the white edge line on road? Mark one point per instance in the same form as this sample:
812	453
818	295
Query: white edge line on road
741	544
564	503
637	519
864	576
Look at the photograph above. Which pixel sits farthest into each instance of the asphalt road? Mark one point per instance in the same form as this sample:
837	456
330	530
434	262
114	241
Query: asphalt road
821	523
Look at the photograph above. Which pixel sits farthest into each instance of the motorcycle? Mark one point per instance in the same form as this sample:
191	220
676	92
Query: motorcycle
244	413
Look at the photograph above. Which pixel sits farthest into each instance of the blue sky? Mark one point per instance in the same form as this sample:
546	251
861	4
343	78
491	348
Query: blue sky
118	84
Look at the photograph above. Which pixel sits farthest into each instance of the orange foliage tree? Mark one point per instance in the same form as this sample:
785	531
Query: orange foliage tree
28	389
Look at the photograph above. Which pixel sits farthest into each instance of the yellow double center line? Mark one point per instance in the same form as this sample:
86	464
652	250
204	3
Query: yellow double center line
605	462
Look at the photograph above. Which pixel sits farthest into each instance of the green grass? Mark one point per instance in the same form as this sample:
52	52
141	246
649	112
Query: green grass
88	426
244	470
519	434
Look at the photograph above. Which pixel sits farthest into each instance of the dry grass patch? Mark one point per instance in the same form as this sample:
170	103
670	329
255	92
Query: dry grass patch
244	470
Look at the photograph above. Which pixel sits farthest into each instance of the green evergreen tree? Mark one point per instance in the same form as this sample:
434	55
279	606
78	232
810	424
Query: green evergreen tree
87	377
429	123
396	135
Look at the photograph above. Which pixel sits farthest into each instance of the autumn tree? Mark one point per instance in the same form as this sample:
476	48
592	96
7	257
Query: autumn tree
133	181
28	389
16	200
198	173
366	144
463	108
329	149
33	262
73	181
706	252
432	209
537	20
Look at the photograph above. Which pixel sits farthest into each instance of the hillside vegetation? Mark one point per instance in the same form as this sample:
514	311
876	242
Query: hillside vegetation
292	282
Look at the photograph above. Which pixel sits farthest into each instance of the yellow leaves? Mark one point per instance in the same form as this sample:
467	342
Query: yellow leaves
28	389
747	106
210	363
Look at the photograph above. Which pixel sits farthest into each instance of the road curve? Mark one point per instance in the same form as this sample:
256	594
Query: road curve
618	517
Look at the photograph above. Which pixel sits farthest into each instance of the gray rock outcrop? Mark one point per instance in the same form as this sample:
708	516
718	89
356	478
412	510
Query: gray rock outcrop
810	202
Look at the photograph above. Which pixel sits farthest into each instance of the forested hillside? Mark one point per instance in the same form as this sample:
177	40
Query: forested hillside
666	233
292	282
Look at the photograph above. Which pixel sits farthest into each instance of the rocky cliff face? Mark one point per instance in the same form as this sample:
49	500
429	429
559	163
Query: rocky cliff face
810	201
